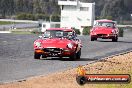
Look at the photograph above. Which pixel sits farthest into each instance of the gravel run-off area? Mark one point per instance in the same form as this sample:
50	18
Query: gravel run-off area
120	64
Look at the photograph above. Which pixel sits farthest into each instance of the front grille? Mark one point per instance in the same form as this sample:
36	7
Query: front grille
52	50
101	35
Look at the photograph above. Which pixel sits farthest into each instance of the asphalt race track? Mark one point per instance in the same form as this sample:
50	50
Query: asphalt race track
17	63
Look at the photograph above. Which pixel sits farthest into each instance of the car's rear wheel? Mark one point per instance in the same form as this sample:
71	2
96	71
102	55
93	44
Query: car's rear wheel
78	55
36	56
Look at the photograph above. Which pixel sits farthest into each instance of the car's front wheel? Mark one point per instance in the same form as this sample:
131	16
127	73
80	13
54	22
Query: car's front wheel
73	56
36	56
93	38
78	54
115	39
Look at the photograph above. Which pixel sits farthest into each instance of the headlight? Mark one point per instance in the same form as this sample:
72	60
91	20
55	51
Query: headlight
70	45
38	44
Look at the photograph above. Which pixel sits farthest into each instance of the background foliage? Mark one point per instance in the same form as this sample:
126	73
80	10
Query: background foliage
86	30
39	9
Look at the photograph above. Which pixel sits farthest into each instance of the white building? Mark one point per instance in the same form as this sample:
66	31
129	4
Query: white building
46	25
76	14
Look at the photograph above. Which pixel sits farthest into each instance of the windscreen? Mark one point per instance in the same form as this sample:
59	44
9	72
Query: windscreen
106	24
56	34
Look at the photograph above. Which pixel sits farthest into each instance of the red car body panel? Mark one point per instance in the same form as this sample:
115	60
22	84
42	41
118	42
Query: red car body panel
56	43
102	30
60	43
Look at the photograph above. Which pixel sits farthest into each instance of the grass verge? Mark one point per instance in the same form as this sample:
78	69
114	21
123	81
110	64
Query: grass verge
25	31
7	22
21	32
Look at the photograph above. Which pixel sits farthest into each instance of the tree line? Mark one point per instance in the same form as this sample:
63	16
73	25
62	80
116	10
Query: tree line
113	9
44	9
29	9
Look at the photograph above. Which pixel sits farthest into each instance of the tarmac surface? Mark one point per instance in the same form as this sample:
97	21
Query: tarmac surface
17	63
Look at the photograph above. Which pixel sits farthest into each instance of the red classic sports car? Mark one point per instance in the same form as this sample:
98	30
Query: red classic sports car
105	29
58	42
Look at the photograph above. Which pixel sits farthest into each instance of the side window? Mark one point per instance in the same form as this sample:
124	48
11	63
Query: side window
46	34
70	33
59	34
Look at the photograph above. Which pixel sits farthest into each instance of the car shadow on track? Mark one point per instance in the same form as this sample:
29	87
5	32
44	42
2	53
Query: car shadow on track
125	41
67	59
87	59
103	41
117	41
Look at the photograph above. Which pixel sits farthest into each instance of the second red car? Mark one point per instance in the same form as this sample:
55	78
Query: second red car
105	29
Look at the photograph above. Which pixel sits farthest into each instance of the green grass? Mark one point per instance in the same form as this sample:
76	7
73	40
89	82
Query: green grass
8	22
21	32
5	22
25	31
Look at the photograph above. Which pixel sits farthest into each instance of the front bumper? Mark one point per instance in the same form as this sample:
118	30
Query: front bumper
54	52
105	36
